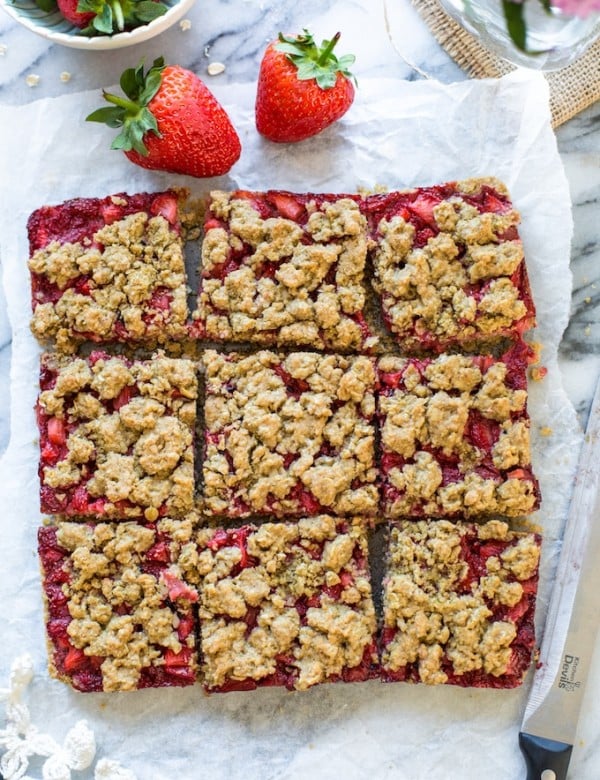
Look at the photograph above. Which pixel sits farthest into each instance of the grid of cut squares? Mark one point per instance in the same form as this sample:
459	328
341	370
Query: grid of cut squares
289	434
280	268
286	604
449	265
106	270
455	436
116	435
119	617
458	603
286	436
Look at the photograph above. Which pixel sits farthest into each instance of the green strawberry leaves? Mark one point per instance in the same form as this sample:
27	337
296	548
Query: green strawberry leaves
131	112
46	5
114	16
314	62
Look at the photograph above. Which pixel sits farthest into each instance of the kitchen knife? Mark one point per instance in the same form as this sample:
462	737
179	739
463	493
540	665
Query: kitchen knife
548	730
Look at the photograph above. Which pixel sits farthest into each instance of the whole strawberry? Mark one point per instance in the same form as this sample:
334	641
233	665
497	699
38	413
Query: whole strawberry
302	88
171	122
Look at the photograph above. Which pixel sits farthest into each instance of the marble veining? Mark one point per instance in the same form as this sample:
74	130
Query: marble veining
235	32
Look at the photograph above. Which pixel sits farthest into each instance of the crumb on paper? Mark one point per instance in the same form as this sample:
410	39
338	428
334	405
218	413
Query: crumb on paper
65	76
32	80
537	373
207	51
587	330
587	299
215	68
185	24
3	49
546	430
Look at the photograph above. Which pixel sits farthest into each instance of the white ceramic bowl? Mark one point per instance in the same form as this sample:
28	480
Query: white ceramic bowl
58	30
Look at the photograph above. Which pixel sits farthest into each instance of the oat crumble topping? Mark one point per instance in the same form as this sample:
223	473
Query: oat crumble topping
295	277
285	603
125	283
117	435
458	603
449	264
127	616
289	434
455	436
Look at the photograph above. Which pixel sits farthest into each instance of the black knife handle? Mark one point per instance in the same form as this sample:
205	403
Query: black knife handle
545	754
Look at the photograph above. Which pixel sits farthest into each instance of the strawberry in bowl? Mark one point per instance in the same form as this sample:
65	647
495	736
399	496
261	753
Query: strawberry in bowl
99	17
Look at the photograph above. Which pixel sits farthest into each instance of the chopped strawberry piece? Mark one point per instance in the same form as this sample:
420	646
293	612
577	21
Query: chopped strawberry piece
165	205
347	580
111	212
159	552
185	627
287	205
80	499
219	540
180	659
50	454
50	501
178	589
309	502
124	397
482	432
82	286
423	206
57	430
491	202
75	660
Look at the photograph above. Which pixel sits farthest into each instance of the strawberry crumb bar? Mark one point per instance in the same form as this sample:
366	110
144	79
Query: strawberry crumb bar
459	603
285	604
119	616
116	436
455	436
289	434
286	269
449	265
109	269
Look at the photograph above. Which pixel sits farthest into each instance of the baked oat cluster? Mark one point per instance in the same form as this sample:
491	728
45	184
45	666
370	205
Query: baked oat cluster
285	604
119	616
449	265
116	436
455	436
108	270
148	462
289	434
459	603
285	269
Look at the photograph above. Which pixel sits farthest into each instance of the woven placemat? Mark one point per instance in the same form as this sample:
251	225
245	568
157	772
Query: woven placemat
571	89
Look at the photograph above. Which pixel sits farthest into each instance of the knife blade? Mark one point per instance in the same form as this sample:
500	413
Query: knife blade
549	724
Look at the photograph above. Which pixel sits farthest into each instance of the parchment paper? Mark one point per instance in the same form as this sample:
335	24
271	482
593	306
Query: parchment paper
397	134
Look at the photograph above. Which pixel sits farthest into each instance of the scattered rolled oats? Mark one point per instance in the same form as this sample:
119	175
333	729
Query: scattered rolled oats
32	80
215	68
185	24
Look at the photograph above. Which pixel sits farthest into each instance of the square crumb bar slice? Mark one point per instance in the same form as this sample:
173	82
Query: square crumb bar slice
119	616
455	436
285	269
285	604
459	601
449	265
289	434
108	270
116	435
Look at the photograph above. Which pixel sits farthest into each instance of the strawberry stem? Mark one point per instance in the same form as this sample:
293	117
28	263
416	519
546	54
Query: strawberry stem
117	10
327	51
128	105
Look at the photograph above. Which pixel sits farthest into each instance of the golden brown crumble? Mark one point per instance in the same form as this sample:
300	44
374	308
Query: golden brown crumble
119	611
433	411
426	291
291	563
314	290
127	263
435	617
137	455
277	424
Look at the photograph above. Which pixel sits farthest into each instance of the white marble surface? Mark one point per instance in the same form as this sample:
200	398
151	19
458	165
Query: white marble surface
235	32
